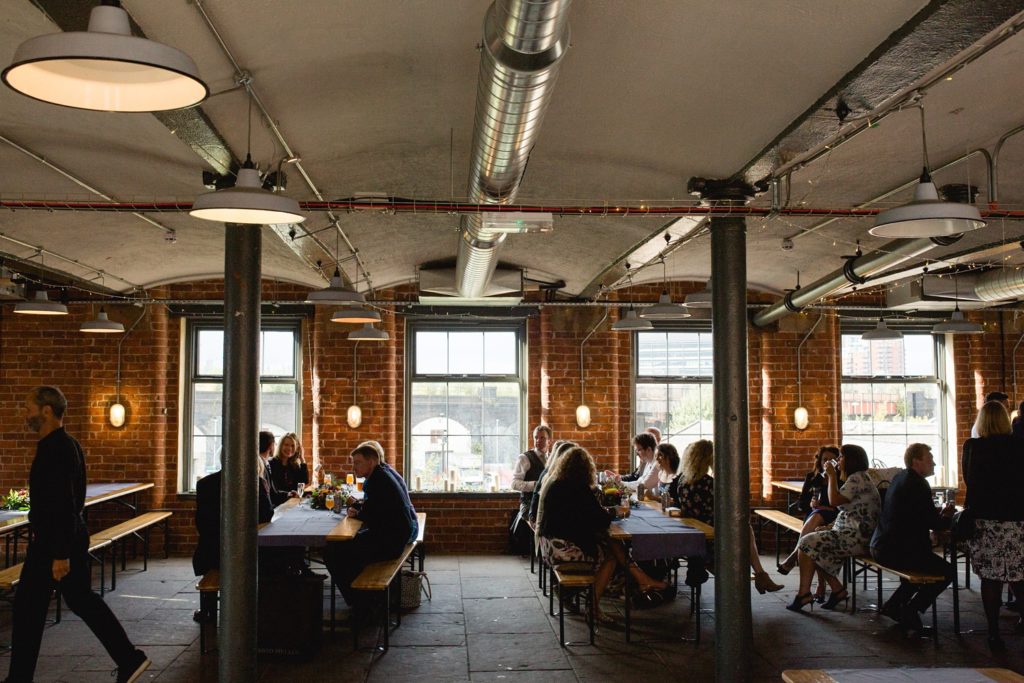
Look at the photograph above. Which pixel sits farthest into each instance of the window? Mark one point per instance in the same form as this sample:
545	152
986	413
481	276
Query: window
673	385
892	396
280	391
466	388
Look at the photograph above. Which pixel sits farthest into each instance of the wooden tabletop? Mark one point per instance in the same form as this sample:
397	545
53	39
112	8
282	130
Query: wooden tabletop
902	675
345	530
107	493
792	486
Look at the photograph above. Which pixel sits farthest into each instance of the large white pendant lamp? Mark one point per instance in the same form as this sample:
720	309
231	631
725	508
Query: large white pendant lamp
41	305
355	314
927	215
247	202
335	294
105	68
701	299
665	309
102	325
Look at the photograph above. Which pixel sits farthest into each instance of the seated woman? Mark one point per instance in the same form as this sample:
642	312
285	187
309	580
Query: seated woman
859	507
573	527
666	460
288	468
814	504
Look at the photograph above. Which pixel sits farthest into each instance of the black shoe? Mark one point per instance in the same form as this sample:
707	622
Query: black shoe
800	601
890	610
133	668
836	598
996	644
910	619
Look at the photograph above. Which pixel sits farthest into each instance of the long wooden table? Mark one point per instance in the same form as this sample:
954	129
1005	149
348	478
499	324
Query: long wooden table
295	525
790	487
901	675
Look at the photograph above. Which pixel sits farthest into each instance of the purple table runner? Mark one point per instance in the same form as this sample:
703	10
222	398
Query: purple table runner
656	537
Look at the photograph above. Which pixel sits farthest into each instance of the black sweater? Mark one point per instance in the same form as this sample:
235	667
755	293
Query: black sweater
386	511
287	477
572	513
57	488
907	517
993	470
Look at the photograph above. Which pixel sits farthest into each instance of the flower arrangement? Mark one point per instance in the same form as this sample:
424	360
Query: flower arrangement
612	489
15	500
318	496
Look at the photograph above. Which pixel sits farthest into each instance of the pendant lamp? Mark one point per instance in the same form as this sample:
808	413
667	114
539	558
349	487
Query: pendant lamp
957	324
41	305
701	299
927	215
881	331
355	314
583	416
630	322
368	333
354	414
102	325
665	309
335	294
105	68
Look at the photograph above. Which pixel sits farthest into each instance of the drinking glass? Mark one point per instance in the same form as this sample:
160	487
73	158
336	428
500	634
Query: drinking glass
328	479
329	502
359	484
350	478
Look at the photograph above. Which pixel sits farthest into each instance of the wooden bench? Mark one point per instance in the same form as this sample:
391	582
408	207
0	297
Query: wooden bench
136	528
870	564
420	552
573	581
209	589
781	520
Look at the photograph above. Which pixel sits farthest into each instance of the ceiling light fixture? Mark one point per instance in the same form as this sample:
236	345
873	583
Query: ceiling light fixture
105	68
927	215
701	299
117	411
335	294
102	324
354	414
665	309
355	314
247	202
368	333
41	305
630	322
801	418
881	331
583	410
957	324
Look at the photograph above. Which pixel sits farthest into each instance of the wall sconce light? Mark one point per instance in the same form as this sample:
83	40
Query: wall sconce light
118	414
354	414
583	410
801	419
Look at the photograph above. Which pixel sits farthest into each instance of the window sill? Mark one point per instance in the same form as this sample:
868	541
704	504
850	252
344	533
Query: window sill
463	494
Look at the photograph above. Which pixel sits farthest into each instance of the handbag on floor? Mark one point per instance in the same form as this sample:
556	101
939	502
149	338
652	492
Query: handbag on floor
414	586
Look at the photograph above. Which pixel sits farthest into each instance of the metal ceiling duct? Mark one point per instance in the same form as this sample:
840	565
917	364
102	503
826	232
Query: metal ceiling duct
1000	284
856	271
524	41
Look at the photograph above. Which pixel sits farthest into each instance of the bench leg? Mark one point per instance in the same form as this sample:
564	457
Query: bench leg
561	615
935	621
57	595
113	568
333	613
387	619
167	538
145	549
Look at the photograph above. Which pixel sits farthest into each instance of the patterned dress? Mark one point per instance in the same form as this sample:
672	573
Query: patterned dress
851	533
697	500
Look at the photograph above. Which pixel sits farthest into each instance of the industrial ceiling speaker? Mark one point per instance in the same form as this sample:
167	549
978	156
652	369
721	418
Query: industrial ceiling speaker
368	333
881	331
102	325
247	202
105	68
335	294
41	305
927	215
355	314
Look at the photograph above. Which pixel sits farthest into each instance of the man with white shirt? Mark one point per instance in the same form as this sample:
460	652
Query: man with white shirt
646	472
524	478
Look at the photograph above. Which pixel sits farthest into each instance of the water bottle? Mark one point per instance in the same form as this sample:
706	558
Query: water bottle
665	502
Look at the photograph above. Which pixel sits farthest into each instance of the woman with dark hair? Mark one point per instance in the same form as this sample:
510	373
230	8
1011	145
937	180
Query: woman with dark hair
859	507
667	459
573	527
994	483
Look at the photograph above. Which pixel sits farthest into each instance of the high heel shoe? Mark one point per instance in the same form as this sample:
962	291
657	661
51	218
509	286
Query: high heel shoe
800	601
836	598
786	567
819	597
763	583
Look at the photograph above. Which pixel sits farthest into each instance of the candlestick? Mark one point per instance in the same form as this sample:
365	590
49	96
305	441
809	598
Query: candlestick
417	482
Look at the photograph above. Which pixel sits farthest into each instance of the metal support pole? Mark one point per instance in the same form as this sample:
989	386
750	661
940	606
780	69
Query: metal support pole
733	629
238	562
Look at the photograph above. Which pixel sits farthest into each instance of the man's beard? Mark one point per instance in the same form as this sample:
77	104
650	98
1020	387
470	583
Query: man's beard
35	423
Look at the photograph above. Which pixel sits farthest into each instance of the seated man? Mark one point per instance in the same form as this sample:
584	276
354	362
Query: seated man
388	517
902	540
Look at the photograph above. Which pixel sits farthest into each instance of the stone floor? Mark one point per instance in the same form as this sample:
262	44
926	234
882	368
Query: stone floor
488	622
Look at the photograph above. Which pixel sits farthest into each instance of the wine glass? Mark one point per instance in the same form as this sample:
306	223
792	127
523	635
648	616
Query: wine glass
329	502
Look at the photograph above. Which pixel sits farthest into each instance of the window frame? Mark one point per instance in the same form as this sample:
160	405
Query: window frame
191	377
639	379
939	379
411	377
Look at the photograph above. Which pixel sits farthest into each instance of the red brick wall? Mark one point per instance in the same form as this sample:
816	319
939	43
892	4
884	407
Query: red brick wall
51	350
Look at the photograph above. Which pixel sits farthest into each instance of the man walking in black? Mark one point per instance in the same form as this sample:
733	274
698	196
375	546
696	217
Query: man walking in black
59	548
901	540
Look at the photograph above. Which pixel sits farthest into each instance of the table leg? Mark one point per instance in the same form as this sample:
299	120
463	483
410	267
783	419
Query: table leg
627	584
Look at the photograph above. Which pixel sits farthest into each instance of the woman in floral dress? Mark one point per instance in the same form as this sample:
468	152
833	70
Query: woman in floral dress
859	507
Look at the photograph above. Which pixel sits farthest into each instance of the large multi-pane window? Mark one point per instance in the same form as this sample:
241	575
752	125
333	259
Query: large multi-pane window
673	385
280	392
465	398
892	396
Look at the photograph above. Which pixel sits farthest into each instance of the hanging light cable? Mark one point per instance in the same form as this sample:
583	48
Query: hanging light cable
957	324
630	322
665	309
801	418
583	410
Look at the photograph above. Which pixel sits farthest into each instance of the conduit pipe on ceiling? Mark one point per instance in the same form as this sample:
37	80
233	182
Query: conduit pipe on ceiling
524	41
856	271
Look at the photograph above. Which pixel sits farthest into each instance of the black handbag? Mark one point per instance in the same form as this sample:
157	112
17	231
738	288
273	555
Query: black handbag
963	526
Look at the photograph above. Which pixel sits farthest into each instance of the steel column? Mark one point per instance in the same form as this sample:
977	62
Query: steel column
733	629
238	563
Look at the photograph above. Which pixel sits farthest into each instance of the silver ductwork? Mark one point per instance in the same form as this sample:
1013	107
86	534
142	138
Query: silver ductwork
524	41
856	271
1000	284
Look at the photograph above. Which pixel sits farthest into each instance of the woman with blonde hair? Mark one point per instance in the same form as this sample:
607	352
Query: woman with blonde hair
288	467
995	479
573	526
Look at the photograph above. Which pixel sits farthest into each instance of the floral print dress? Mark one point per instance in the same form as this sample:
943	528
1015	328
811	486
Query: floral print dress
851	533
697	500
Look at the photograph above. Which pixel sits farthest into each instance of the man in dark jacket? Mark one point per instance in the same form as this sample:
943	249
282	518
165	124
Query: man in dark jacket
902	539
59	551
387	515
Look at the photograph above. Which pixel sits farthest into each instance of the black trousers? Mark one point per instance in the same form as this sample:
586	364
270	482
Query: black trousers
344	561
920	596
32	600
